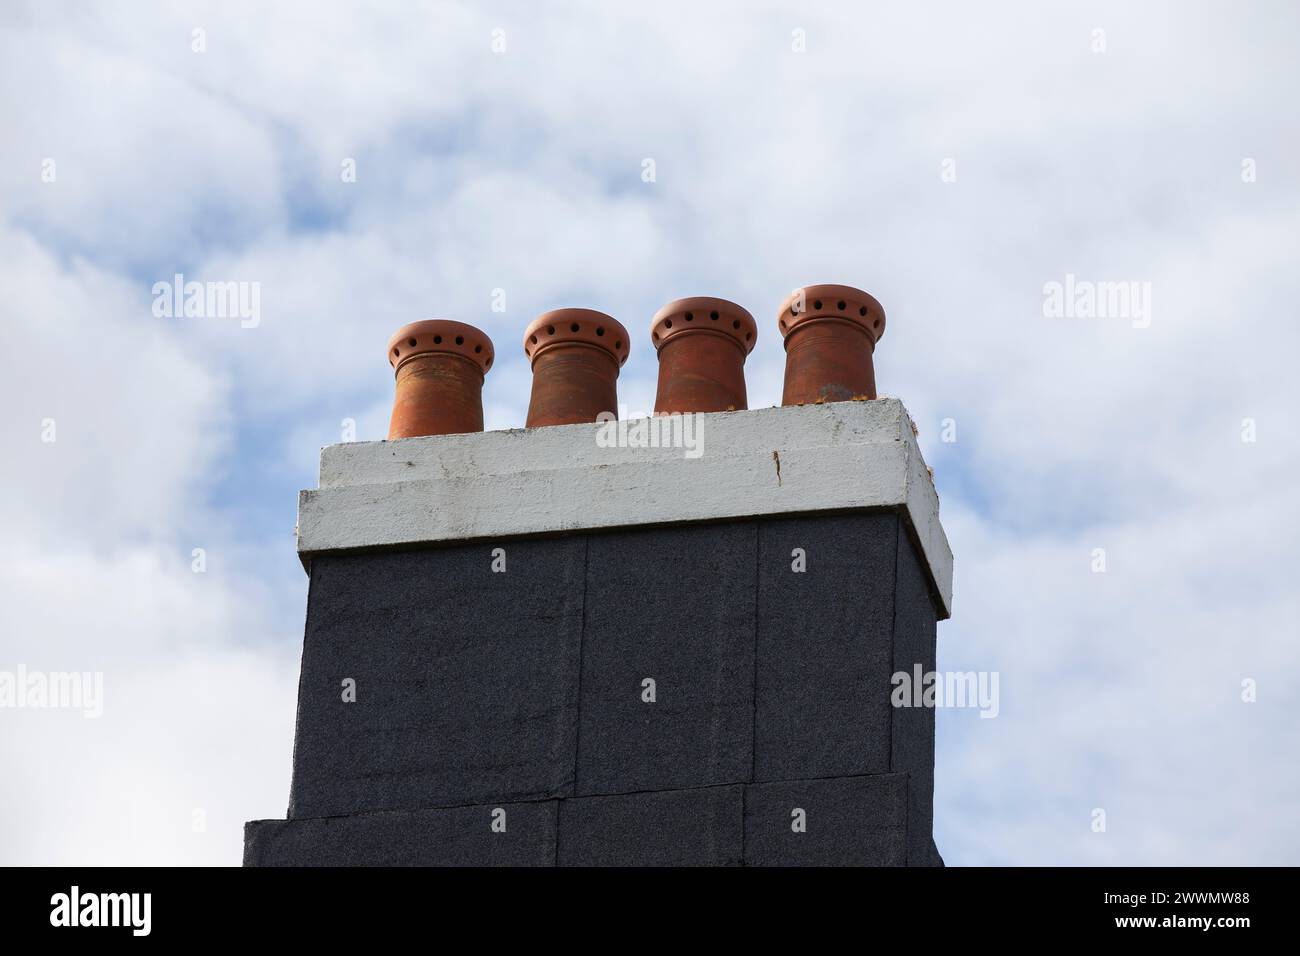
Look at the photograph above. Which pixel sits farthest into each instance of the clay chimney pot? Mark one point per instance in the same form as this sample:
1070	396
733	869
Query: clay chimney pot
439	367
830	334
575	356
702	344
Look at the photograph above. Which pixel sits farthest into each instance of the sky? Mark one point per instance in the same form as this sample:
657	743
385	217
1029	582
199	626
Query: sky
953	159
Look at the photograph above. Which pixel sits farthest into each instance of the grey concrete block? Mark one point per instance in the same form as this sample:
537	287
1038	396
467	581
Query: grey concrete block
666	828
823	646
915	624
466	678
676	606
849	821
455	836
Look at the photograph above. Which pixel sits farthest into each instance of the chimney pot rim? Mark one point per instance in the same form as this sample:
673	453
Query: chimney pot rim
829	295
615	338
440	335
741	327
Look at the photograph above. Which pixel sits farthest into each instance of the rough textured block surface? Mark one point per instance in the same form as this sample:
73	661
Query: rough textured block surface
675	606
824	638
668	828
850	821
455	836
466	678
915	624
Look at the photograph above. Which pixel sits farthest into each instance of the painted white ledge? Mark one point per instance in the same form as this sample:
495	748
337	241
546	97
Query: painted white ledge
833	457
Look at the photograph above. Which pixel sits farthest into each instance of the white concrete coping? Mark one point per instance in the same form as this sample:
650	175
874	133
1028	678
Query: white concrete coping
833	457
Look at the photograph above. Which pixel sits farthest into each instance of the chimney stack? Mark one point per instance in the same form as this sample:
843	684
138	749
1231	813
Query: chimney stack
621	653
830	333
439	366
575	356
702	344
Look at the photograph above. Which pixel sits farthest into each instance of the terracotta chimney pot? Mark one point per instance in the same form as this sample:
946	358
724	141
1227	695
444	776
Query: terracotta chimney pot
439	367
575	356
829	342
702	344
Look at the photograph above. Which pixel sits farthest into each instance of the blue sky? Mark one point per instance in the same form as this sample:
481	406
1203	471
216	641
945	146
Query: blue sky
1114	156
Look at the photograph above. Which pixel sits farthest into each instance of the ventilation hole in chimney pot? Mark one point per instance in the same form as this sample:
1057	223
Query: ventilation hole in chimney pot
862	311
619	343
783	325
411	342
748	336
690	316
550	330
735	324
875	324
533	340
477	349
460	340
668	324
840	305
817	304
714	315
656	336
487	364
437	340
574	327
600	330
396	352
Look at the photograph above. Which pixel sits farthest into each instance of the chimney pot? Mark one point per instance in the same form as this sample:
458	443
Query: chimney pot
575	356
439	367
702	344
829	344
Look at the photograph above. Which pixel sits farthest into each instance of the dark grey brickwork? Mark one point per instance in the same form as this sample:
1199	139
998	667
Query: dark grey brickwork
676	606
455	836
667	828
467	679
915	625
851	821
524	690
824	646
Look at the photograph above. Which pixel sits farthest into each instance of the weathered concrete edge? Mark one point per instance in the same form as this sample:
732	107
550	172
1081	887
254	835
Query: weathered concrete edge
923	513
573	446
881	474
